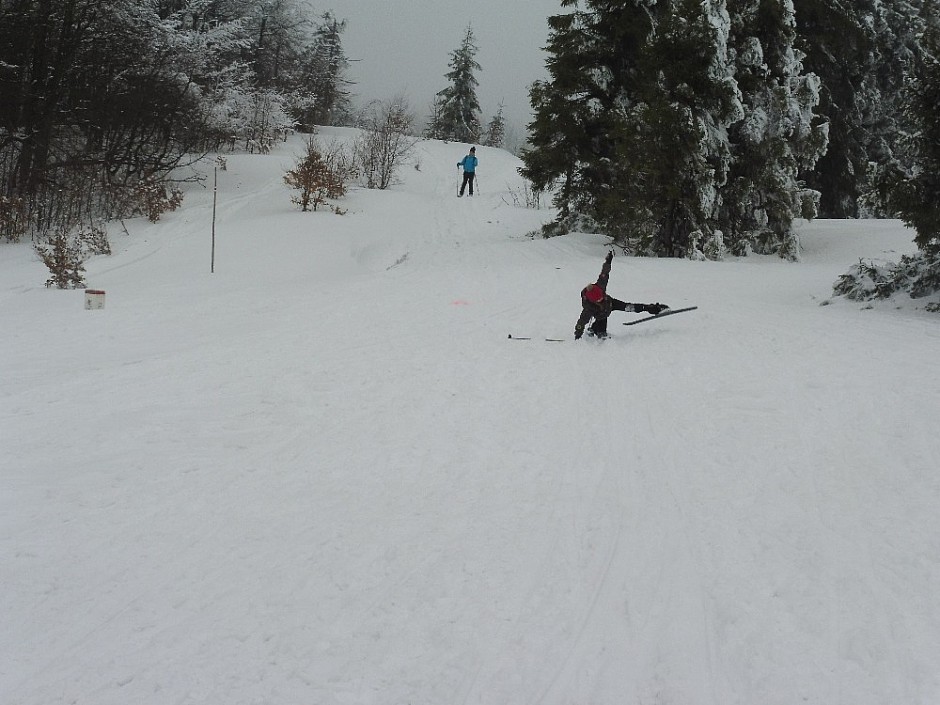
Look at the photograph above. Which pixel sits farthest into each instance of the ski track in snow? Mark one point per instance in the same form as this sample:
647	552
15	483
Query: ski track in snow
324	475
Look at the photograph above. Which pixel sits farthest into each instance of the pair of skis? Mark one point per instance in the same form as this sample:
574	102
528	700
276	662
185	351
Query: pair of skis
667	312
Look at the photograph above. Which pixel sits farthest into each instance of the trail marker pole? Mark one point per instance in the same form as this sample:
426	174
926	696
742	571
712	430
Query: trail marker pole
215	190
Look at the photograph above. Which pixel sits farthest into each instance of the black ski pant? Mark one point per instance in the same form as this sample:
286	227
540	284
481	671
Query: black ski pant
467	181
599	326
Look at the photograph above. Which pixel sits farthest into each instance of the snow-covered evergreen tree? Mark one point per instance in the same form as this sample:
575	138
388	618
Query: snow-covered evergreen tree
495	130
318	89
634	121
669	124
838	46
457	109
778	137
860	51
331	88
898	28
593	58
559	115
915	195
910	186
677	129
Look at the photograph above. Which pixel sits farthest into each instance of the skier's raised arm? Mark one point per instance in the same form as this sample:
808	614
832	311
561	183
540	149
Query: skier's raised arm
605	271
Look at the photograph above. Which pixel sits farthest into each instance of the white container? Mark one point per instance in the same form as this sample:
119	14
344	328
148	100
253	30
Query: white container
94	299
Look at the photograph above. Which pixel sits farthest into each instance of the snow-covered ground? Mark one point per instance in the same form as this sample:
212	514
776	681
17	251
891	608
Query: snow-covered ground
324	475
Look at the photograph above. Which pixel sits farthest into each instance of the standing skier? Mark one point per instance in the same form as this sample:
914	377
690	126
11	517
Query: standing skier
596	304
469	164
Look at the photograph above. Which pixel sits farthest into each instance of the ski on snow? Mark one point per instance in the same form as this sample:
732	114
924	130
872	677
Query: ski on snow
667	312
523	337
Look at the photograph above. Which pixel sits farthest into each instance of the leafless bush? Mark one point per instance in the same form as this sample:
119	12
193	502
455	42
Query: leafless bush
386	140
154	197
14	218
527	197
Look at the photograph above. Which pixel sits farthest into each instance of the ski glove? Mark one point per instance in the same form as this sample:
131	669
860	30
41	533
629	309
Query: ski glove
655	309
610	255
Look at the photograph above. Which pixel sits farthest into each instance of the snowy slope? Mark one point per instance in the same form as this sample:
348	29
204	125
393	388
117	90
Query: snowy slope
323	474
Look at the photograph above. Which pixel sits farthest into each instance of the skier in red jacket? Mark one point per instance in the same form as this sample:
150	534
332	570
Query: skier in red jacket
596	304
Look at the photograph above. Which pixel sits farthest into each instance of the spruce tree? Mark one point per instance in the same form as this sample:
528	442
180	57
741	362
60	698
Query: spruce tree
457	110
594	56
909	186
676	156
778	137
434	119
496	130
838	48
915	192
633	123
898	28
329	64
860	51
315	82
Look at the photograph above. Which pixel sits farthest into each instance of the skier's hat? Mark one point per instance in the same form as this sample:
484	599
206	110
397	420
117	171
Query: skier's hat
593	293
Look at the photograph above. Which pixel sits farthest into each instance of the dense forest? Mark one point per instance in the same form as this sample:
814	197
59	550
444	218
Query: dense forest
102	99
681	127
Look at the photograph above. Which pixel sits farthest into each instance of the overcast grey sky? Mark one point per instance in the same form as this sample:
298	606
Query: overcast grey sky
405	46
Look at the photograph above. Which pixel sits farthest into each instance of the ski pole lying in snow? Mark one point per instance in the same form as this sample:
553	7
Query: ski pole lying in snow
523	337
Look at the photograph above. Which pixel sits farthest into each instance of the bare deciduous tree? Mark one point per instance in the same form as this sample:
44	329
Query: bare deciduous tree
386	141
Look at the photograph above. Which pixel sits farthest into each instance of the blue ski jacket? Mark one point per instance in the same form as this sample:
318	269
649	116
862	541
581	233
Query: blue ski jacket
469	163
